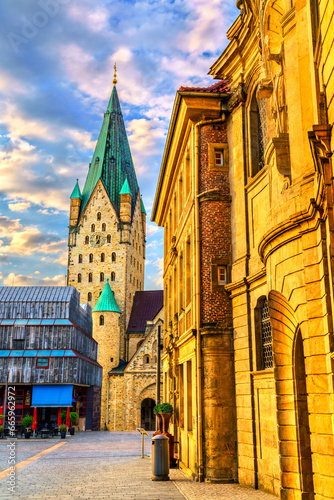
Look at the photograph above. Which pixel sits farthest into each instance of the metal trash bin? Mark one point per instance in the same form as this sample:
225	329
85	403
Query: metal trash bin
160	458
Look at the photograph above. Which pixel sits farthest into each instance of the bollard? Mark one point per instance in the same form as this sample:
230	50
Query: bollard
160	458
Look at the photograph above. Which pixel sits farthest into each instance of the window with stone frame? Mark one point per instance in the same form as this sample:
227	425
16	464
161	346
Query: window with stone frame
101	320
102	257
113	257
98	216
101	276
91	257
104	227
86	240
80	259
109	238
220	273
89	296
90	277
92	228
266	337
112	276
257	133
79	278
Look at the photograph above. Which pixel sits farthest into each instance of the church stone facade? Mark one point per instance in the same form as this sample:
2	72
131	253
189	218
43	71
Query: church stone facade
278	113
107	235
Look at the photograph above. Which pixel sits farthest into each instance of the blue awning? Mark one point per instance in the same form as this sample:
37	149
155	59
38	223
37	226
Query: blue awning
52	395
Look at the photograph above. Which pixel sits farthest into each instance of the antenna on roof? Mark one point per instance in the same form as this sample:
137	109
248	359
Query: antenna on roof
114	80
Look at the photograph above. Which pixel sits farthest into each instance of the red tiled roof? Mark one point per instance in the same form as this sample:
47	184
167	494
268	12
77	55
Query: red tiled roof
221	86
146	306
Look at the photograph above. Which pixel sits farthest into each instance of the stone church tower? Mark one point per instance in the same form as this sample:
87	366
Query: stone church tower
108	224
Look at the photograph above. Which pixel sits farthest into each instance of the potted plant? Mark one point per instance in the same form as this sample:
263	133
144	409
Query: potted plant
1	430
63	430
73	418
165	410
27	423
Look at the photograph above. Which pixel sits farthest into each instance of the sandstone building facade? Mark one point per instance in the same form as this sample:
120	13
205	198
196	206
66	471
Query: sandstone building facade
279	119
107	236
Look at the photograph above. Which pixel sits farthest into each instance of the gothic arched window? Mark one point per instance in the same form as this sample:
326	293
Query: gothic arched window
80	259
90	278
101	320
113	257
89	297
101	276
79	278
91	257
86	240
266	338
112	277
104	227
109	238
102	257
98	216
92	228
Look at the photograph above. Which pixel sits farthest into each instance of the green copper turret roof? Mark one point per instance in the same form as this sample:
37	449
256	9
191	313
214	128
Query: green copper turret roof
112	161
125	188
142	206
107	301
76	193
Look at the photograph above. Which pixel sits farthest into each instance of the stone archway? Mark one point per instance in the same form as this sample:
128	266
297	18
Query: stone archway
147	417
292	414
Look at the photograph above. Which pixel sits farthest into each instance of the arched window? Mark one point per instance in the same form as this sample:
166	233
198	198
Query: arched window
102	257
266	338
90	278
109	238
258	133
91	257
101	276
92	228
112	277
101	320
104	227
80	259
113	257
86	240
146	359
98	217
89	297
79	278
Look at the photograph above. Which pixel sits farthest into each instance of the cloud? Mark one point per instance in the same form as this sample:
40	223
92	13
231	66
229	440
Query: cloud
20	206
94	18
21	280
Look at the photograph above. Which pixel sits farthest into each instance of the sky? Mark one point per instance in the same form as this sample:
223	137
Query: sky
56	71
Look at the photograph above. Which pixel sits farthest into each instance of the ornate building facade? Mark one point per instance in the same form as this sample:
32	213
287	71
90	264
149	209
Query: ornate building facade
107	250
279	118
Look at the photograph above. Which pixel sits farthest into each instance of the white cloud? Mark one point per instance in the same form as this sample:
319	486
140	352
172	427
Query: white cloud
20	206
94	18
21	280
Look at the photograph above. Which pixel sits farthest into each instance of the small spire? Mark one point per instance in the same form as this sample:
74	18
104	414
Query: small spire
115	79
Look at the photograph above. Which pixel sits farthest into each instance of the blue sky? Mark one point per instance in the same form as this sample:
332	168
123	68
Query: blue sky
56	59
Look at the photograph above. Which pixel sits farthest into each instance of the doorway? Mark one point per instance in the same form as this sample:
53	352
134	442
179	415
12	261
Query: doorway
147	420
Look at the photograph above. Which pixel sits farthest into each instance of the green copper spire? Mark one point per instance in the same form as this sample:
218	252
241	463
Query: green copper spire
107	301
112	161
76	192
125	188
142	206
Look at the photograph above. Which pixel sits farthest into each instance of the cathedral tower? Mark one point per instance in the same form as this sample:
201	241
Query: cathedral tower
107	223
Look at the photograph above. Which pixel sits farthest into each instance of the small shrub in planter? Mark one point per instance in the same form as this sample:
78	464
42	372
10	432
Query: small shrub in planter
73	418
27	423
63	430
163	408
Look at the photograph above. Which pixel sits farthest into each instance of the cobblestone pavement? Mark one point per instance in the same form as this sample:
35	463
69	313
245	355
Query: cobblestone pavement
104	465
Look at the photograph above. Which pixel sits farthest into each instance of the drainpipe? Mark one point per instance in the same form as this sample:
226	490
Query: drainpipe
198	296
